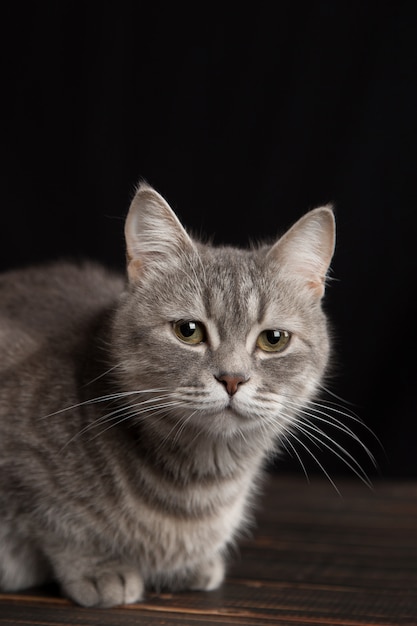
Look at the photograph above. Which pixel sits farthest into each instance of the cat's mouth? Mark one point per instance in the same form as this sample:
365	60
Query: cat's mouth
227	409
231	410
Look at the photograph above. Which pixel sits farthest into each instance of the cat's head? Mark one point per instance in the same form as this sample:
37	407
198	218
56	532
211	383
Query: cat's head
222	339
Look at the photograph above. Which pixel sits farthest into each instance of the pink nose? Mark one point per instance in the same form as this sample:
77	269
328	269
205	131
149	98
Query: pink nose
231	382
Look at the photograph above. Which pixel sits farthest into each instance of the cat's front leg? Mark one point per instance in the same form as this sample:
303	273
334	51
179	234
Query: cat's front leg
95	581
208	575
109	585
22	564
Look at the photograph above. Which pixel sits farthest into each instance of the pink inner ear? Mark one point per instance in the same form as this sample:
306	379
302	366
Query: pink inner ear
134	269
317	287
307	247
154	235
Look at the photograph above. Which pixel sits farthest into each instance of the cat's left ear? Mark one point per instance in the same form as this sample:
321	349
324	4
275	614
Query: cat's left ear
155	238
307	248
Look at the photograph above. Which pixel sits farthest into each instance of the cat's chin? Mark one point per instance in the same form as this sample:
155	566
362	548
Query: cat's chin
233	414
228	421
239	411
234	409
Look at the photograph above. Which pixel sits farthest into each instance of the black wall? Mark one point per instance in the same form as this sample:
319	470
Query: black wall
243	118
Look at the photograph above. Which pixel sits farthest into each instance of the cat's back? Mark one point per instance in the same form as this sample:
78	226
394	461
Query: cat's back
50	302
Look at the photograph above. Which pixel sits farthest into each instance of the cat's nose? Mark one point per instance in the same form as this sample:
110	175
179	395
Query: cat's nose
231	382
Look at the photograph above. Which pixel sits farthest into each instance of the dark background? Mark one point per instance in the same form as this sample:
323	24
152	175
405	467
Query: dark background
244	118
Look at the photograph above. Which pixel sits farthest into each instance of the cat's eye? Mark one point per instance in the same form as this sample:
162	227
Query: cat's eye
273	340
190	331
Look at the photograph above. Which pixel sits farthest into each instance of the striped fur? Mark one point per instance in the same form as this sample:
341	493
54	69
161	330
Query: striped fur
127	459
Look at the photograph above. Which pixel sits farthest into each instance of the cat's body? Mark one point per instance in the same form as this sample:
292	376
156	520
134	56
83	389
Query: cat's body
135	419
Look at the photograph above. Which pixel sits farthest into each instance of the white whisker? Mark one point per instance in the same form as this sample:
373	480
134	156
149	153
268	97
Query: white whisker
126	412
181	424
135	414
303	418
301	443
312	432
111	369
287	440
99	399
316	415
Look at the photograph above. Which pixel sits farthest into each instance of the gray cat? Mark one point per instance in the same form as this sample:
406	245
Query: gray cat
137	416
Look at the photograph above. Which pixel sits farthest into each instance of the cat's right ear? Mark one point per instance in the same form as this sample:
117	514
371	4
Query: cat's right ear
154	236
306	249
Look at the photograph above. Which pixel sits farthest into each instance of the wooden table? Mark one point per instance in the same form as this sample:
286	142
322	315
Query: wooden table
315	558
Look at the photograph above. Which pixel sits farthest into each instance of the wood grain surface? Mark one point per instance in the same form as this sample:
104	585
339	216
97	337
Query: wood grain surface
315	557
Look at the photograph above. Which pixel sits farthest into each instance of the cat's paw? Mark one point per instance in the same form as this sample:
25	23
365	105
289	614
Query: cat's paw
209	576
106	587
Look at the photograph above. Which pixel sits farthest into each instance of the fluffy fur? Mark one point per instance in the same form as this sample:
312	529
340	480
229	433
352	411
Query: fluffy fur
136	416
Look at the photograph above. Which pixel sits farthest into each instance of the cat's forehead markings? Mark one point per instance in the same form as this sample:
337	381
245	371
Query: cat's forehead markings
232	291
254	305
252	337
213	333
